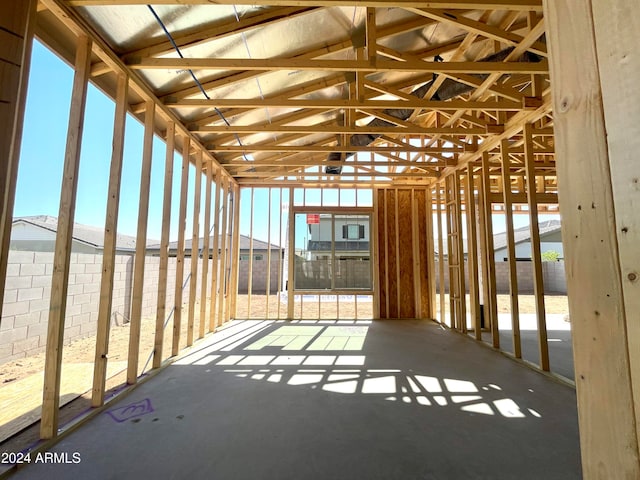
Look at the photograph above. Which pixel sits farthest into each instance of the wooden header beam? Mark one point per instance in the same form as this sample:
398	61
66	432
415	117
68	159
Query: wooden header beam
338	130
526	5
335	65
329	103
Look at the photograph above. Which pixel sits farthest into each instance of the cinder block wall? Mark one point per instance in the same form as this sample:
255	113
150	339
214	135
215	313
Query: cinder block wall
259	275
553	277
25	313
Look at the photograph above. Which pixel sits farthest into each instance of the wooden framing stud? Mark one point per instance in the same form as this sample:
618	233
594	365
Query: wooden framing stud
20	23
163	270
141	246
491	313
596	125
511	248
109	250
215	272
235	255
182	223
472	254
62	253
223	281
205	251
195	249
538	282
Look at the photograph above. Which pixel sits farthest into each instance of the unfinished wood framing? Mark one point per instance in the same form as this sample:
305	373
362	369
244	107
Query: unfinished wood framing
461	312
268	286
109	251
141	246
402	253
536	258
472	255
222	280
291	257
60	278
430	254
17	22
161	309
250	259
215	273
484	251
452	283
375	254
280	255
205	251
439	212
235	255
195	250
182	225
491	313
511	249
488	116
597	214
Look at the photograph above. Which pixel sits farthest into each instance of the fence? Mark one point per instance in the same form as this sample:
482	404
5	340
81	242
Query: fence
25	313
552	273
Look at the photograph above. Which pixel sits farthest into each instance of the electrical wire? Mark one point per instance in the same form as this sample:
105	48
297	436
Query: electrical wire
193	75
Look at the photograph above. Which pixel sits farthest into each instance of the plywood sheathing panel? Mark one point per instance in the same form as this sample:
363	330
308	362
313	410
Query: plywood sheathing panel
424	222
382	253
405	258
392	264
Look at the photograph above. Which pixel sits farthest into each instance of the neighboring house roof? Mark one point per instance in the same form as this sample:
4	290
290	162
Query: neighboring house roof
523	234
245	242
87	234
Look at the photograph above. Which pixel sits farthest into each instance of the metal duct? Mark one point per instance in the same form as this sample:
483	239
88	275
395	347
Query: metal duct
449	89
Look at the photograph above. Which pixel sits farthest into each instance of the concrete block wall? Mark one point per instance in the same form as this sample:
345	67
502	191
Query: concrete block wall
25	313
553	277
259	275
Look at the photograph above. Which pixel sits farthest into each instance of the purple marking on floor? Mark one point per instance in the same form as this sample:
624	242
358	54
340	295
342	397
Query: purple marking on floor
127	412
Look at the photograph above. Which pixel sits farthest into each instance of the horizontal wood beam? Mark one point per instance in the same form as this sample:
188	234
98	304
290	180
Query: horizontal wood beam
328	149
541	198
335	65
527	5
337	129
347	103
372	173
324	163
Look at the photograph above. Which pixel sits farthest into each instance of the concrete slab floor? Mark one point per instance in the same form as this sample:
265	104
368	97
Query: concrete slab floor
331	400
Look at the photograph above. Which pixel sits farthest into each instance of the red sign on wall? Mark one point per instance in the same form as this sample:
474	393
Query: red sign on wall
313	218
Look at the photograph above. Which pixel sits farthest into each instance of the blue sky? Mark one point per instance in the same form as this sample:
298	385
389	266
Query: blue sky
43	148
42	157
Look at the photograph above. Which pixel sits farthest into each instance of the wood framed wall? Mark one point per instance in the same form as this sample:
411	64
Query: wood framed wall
597	122
17	23
402	252
206	234
109	253
474	193
164	247
62	254
195	250
141	246
182	225
596	138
